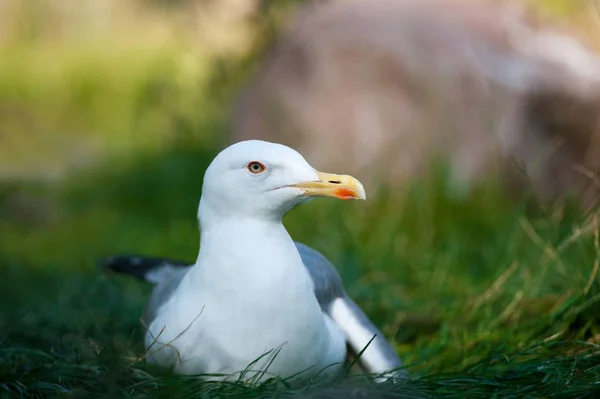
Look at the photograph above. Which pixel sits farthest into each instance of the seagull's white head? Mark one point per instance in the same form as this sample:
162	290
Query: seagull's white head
261	179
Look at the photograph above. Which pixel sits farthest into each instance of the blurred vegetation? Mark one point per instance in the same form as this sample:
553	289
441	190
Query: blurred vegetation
110	112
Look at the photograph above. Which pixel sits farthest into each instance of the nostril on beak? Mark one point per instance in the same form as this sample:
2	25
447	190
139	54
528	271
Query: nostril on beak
335	182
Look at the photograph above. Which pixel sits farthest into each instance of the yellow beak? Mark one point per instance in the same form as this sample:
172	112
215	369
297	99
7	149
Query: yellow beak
338	186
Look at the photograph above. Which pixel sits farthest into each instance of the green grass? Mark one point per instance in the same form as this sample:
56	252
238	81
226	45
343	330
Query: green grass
483	296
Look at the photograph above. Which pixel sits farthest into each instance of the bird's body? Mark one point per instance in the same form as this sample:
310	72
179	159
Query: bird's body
209	330
255	302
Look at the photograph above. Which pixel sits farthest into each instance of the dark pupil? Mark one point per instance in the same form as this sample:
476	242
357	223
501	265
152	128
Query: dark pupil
255	166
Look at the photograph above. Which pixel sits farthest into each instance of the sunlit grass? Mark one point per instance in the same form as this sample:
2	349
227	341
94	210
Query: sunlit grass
71	108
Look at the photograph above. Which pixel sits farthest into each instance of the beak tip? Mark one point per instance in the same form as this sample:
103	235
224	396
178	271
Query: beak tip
362	194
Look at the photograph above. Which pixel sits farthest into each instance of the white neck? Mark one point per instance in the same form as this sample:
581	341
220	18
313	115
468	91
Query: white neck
212	212
239	253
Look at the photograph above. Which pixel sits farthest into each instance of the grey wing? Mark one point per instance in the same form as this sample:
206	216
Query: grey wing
162	292
325	277
379	356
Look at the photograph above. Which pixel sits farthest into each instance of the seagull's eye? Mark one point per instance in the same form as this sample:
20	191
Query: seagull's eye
256	167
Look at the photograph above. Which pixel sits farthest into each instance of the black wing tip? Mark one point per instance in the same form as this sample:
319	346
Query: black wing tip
132	264
136	265
115	261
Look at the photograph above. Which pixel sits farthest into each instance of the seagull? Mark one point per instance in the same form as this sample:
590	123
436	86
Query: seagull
256	304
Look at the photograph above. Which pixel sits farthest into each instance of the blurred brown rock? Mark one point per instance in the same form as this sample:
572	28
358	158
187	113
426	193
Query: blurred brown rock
380	88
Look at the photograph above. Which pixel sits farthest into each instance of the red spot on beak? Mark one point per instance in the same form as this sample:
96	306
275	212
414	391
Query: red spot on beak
345	194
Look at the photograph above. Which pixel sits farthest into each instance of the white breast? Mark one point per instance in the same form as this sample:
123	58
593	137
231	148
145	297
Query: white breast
241	301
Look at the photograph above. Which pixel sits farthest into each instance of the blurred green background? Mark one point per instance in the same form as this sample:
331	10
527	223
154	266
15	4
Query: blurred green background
109	113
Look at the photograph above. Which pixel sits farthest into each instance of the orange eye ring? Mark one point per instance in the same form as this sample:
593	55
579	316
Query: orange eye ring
256	167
